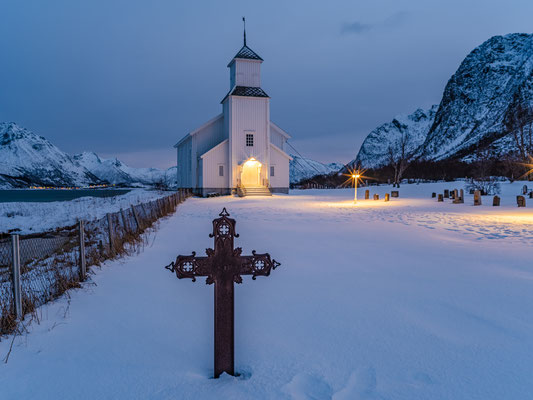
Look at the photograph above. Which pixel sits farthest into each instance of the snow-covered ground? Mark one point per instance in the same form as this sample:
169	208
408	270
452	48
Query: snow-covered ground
28	217
410	299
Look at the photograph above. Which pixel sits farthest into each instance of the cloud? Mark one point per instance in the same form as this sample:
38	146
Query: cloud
357	27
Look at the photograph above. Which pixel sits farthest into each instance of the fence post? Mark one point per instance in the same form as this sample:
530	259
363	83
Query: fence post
136	217
17	290
144	212
110	232
124	222
83	264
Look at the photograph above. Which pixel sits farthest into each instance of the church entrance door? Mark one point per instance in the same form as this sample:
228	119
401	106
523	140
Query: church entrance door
251	173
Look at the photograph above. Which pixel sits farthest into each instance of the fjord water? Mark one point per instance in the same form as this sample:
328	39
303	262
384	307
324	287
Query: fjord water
49	195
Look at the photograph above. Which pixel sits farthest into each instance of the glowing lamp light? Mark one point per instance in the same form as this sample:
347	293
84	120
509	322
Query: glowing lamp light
355	175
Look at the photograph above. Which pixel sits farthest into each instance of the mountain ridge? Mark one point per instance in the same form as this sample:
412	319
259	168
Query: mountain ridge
27	159
477	104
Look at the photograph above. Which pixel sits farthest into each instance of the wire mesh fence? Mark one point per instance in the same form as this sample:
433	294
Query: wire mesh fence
53	262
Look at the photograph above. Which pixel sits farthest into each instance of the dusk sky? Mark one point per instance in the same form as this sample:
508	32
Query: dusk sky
129	78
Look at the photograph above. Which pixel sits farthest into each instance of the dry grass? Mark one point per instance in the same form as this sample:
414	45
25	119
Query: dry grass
50	274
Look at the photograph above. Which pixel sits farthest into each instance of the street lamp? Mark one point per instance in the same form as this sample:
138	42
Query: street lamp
355	178
355	174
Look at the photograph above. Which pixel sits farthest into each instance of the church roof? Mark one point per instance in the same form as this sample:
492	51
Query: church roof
246	91
246	53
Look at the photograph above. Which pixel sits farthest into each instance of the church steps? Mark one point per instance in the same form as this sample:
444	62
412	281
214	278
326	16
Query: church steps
254	191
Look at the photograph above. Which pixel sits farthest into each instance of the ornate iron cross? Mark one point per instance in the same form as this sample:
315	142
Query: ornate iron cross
223	266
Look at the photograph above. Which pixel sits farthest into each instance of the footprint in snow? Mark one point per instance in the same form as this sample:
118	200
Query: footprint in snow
308	387
362	385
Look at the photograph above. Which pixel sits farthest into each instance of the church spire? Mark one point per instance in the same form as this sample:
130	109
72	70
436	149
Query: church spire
244	22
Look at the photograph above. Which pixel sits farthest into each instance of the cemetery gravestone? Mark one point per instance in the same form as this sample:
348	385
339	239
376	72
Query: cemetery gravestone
386	197
440	198
367	194
496	201
394	193
477	198
520	201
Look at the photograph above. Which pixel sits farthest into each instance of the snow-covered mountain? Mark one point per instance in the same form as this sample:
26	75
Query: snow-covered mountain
118	173
477	102
374	150
304	168
27	159
489	84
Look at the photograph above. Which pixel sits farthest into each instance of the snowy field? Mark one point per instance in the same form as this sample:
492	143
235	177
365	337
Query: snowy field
410	299
28	217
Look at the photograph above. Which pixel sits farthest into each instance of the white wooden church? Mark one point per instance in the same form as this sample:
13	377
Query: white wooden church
240	150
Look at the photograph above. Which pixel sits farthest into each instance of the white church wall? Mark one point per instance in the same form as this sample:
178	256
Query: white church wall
280	161
247	73
203	139
232	76
276	138
215	158
209	136
184	170
249	115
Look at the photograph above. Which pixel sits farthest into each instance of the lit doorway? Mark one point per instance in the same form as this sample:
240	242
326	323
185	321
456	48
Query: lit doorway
251	173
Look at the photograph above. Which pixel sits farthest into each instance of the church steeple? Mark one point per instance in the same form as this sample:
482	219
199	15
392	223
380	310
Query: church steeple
244	22
245	71
245	53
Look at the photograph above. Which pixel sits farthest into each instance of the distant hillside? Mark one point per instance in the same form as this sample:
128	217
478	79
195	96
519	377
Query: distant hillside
303	168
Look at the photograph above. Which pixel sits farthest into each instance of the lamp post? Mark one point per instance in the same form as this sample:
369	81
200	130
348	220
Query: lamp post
355	178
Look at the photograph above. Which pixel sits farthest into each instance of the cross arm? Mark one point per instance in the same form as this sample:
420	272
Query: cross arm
258	265
190	266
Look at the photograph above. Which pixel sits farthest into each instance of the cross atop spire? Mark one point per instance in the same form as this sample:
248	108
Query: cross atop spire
246	52
244	22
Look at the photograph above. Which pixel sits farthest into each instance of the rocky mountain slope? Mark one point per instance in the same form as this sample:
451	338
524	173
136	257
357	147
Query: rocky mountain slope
489	84
374	150
478	101
303	168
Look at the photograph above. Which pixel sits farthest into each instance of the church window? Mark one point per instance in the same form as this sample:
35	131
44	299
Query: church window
249	139
220	170
271	170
